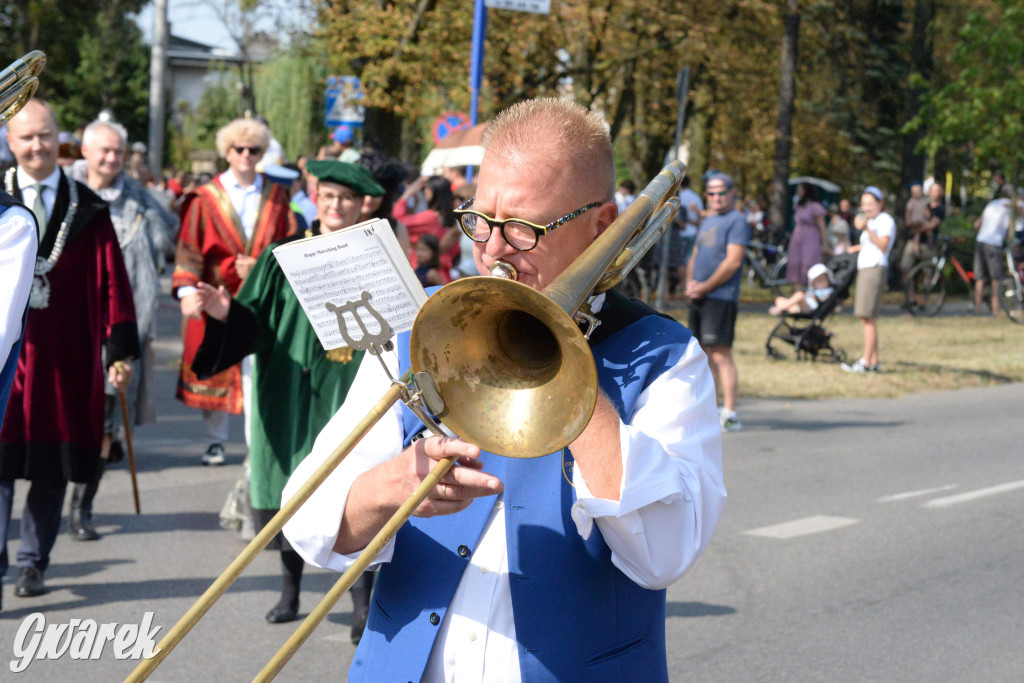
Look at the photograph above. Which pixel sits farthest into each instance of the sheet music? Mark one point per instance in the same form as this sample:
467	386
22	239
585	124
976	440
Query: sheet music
338	267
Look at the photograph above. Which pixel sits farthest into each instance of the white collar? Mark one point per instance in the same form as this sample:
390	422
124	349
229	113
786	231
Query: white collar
228	177
51	181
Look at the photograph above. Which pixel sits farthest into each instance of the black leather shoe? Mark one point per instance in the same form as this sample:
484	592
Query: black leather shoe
282	614
81	529
30	583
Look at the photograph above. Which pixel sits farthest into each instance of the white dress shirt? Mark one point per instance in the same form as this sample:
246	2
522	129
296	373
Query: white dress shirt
28	192
18	246
671	498
244	198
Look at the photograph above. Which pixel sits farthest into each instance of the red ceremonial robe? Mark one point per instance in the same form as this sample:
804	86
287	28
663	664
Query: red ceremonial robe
210	239
53	427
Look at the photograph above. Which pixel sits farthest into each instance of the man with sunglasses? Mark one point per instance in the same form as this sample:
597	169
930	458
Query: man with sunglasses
225	225
713	287
549	568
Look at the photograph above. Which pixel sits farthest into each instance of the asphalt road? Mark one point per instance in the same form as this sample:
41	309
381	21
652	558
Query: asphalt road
863	540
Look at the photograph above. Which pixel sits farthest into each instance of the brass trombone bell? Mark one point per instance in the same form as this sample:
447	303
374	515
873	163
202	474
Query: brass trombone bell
517	375
18	83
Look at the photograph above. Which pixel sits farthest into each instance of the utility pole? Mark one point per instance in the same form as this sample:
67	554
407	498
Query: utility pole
158	86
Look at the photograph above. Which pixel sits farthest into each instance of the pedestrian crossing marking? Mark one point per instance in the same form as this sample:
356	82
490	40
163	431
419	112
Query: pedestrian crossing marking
802	527
968	496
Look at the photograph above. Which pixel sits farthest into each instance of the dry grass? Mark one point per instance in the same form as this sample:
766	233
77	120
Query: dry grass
917	355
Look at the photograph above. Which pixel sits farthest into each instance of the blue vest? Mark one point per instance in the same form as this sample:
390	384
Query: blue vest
10	365
577	617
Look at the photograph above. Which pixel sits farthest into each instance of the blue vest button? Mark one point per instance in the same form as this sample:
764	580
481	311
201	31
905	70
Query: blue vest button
434	618
463	551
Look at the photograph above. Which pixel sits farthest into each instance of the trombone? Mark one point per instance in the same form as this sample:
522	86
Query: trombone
479	347
18	83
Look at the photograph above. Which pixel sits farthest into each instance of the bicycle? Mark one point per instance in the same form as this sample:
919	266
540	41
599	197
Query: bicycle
925	284
1010	285
767	263
925	288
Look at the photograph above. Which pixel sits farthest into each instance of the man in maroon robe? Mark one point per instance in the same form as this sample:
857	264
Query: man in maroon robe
80	310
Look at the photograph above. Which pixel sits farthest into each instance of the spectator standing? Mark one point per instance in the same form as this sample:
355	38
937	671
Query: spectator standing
877	233
989	263
438	219
921	243
226	224
145	233
686	223
80	328
809	243
713	287
838	231
624	196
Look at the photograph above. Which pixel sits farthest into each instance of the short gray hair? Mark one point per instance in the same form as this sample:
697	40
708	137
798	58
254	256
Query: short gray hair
112	126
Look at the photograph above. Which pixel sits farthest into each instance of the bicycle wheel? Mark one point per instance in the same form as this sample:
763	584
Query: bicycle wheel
925	293
1013	298
777	281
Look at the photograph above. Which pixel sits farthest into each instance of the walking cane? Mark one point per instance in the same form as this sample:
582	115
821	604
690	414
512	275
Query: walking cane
131	452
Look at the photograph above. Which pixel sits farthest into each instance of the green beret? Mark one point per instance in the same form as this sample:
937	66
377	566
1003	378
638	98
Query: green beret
350	175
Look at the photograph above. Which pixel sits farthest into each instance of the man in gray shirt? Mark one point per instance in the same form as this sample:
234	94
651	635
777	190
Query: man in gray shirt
713	287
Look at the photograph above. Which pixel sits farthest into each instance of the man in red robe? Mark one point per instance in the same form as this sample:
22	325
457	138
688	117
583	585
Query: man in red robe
225	225
80	316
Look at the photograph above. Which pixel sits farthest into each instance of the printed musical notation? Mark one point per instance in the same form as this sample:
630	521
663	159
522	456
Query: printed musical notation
338	267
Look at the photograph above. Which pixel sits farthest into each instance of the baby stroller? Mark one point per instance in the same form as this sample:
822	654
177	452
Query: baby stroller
806	331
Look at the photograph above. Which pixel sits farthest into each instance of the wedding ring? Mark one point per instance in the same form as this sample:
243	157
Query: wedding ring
444	493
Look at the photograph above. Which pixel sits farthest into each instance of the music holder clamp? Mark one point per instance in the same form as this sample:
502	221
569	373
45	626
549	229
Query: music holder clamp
420	393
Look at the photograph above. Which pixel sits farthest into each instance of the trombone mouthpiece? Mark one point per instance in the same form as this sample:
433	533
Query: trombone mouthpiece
504	270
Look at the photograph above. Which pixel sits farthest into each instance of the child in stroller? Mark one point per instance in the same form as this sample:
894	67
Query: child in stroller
803	316
819	288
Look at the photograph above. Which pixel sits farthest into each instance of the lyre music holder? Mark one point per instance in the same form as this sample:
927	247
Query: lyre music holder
420	393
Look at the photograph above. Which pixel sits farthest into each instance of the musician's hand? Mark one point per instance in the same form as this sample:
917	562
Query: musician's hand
192	306
120	375
215	302
243	265
457	489
379	492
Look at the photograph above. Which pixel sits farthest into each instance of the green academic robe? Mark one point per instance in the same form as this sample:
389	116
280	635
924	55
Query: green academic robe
297	388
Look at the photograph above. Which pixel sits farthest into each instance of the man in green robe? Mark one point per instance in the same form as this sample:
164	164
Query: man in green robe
297	385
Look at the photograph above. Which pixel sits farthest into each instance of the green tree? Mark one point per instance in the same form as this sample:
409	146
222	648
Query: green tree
95	57
981	107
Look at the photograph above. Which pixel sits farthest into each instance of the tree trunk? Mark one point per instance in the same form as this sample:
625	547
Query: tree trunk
913	162
784	127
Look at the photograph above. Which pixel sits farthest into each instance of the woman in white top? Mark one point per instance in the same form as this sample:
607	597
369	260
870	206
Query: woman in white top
878	229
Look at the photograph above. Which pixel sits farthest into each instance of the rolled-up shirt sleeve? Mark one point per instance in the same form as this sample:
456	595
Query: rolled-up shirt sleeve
313	530
672	491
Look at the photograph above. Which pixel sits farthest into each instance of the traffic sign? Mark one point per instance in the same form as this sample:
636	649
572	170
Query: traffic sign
447	123
342	106
537	6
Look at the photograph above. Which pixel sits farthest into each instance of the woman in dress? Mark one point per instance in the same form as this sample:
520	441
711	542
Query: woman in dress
808	244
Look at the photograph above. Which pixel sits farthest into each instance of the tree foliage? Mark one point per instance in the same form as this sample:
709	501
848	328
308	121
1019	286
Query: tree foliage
980	109
95	58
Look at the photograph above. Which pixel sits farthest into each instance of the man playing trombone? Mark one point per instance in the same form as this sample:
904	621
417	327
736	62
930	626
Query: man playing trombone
550	568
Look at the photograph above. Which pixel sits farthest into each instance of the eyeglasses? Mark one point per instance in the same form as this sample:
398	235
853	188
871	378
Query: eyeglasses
519	234
718	194
254	151
328	198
